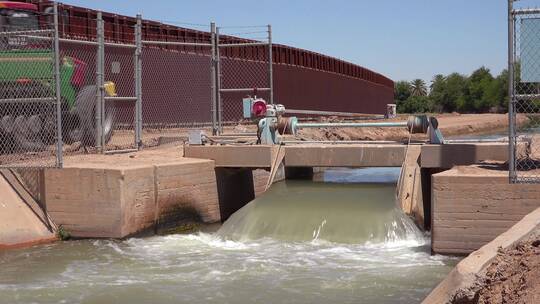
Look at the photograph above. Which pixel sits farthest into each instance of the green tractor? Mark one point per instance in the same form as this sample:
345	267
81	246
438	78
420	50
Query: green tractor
27	98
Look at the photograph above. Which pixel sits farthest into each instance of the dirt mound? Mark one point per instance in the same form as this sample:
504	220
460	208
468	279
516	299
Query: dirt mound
513	277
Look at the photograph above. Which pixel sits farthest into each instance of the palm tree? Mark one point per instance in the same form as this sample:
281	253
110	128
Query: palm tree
437	81
418	87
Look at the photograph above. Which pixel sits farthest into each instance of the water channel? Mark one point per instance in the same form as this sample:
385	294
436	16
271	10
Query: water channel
337	241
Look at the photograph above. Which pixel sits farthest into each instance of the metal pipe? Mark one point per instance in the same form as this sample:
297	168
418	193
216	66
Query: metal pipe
243	44
270	67
120	98
238	135
218	85
526	96
120	151
84	42
511	104
245	90
330	113
138	83
351	124
29	100
213	96
59	141
337	142
10	33
476	140
100	68
522	11
120	45
176	43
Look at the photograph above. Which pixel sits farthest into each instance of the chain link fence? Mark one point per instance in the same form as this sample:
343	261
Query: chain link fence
524	67
244	69
80	90
29	104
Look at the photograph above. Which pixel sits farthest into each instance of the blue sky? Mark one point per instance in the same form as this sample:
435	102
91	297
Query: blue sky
402	39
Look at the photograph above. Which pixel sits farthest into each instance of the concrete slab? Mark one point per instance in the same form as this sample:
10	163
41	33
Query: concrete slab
345	155
449	155
303	155
255	156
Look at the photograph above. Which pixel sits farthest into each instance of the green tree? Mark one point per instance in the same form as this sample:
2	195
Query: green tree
437	92
402	90
479	92
502	81
437	83
453	94
476	97
416	104
418	87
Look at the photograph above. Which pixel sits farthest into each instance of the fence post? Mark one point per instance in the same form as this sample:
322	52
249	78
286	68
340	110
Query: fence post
270	67
511	96
213	77
100	97
138	82
218	85
59	141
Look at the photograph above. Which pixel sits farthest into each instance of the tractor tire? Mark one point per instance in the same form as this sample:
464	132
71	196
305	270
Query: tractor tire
24	126
83	126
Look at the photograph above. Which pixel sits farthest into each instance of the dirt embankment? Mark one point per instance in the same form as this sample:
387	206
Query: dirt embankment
512	277
450	125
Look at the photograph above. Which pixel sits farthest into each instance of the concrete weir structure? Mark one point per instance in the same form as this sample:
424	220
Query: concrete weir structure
115	196
127	196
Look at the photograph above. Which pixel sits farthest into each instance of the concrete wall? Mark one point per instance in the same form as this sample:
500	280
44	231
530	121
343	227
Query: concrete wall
119	201
471	206
470	269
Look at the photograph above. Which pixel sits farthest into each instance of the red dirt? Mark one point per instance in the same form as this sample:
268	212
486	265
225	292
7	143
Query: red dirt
513	276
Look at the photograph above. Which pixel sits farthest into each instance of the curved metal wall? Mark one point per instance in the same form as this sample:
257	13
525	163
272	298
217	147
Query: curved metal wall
302	79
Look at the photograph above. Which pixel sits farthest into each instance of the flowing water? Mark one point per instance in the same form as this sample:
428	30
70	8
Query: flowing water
301	242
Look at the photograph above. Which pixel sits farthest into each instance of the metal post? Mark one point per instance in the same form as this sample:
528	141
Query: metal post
218	85
100	67
213	76
511	95
59	143
397	124
138	82
270	68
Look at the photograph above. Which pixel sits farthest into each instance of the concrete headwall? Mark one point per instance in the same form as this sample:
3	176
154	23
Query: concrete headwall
472	205
96	201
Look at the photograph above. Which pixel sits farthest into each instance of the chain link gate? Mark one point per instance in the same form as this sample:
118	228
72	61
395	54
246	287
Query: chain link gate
244	67
524	92
178	83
